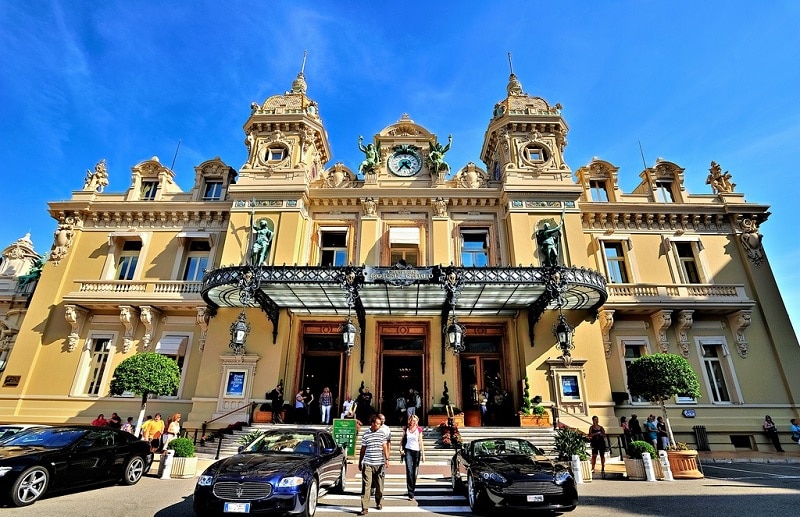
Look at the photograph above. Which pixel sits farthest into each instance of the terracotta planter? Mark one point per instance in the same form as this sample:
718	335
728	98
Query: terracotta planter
534	421
683	464
262	417
472	418
435	420
183	468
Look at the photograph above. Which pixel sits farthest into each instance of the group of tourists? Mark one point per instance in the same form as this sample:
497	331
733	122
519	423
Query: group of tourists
154	429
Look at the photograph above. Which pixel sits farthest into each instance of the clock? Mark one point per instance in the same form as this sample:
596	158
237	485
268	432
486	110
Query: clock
404	163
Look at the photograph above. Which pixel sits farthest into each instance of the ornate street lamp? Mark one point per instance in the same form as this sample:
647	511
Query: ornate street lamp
563	333
455	335
349	331
239	330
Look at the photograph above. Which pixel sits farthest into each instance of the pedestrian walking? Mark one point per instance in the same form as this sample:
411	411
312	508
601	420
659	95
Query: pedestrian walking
372	460
412	450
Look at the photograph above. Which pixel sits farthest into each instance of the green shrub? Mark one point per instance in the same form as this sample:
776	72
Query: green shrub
570	441
638	447
183	447
538	410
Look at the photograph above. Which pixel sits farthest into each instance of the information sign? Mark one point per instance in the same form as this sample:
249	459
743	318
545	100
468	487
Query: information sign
345	432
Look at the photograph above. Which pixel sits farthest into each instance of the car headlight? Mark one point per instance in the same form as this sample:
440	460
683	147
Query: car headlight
4	471
205	480
493	476
290	481
562	476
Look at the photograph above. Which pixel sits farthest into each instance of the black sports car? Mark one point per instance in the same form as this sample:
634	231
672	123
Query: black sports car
512	473
282	471
46	459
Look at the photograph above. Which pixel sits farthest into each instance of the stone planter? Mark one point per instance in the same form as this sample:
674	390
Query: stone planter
634	469
534	421
435	420
683	464
472	418
586	471
183	468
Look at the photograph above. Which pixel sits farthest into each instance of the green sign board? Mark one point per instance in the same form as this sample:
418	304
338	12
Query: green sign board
345	432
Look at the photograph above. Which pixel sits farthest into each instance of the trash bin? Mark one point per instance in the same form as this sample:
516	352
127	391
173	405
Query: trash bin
701	438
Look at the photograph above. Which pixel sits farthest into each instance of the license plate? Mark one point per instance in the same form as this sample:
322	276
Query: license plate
237	508
535	498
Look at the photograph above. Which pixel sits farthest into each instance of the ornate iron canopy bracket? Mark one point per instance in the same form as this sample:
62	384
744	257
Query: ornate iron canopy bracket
351	278
272	311
452	282
555	285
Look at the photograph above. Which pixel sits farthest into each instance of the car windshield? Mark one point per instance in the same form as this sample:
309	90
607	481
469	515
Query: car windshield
284	442
44	437
504	447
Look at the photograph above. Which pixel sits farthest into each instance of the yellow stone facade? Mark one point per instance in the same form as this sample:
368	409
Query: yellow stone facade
686	274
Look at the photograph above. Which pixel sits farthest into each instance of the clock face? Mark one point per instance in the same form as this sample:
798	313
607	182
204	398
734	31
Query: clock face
404	163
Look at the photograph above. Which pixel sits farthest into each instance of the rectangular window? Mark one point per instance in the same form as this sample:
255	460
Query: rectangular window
404	245
404	252
615	262
128	258
101	348
196	260
276	154
474	248
173	347
688	262
663	192
599	192
149	190
534	154
213	191
632	353
333	248
714	372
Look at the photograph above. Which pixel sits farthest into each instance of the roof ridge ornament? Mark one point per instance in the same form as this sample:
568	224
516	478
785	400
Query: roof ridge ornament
514	87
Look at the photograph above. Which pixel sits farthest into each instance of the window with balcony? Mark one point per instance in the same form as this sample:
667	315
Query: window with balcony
616	263
196	260
633	351
716	369
663	192
474	247
127	259
598	190
333	247
688	263
148	191
212	191
174	347
98	365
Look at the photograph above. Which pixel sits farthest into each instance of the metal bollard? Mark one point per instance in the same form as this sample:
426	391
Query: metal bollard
165	465
648	466
662	457
576	469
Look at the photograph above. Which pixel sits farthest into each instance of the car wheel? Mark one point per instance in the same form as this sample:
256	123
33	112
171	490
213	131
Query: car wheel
341	483
134	470
29	486
311	500
476	496
455	478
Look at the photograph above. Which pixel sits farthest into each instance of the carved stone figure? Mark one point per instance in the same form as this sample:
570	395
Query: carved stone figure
436	154
548	239
751	241
97	180
262	243
32	275
370	206
440	206
62	238
371	157
472	177
720	181
337	177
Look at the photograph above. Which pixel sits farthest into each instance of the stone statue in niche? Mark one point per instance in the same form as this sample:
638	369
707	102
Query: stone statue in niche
548	238
263	241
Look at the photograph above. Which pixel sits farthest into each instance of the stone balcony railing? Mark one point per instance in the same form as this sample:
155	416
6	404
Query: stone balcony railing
133	291
678	295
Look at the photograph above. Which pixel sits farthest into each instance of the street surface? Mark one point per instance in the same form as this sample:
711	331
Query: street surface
728	489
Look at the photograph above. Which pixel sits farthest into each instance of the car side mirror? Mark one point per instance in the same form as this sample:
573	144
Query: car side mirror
240	449
329	450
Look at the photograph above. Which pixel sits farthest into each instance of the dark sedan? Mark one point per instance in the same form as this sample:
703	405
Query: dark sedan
282	471
48	459
514	474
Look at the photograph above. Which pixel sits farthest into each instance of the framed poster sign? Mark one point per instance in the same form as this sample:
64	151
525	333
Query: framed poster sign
234	386
569	387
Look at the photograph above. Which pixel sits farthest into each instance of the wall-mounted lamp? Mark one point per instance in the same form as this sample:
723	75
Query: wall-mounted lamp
349	331
563	333
239	330
455	335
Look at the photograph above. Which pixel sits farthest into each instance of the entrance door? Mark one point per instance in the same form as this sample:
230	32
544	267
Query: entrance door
399	373
481	373
321	370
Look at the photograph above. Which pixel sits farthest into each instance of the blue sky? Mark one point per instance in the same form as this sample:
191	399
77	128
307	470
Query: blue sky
692	81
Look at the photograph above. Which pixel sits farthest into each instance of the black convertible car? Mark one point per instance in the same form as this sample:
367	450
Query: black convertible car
282	471
45	459
514	474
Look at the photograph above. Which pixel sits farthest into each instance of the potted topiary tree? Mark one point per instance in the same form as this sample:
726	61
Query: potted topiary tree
184	462
531	413
658	377
569	442
145	374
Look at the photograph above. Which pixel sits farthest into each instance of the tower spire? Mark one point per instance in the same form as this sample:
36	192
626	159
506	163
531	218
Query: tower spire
510	65
514	86
299	84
